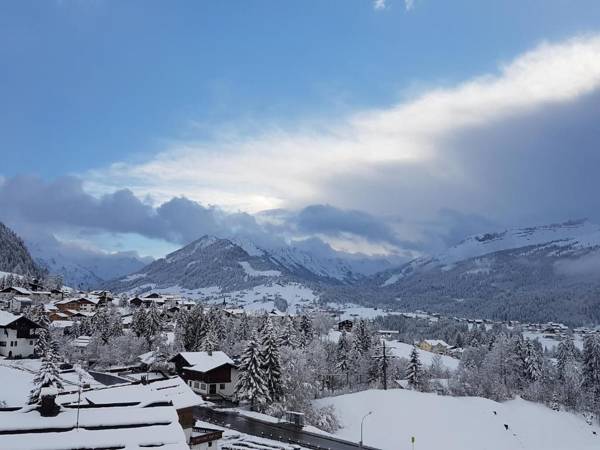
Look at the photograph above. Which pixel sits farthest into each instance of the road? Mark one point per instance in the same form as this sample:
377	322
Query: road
277	431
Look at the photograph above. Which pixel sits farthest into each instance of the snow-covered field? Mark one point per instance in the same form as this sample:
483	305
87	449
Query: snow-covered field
550	343
458	423
403	350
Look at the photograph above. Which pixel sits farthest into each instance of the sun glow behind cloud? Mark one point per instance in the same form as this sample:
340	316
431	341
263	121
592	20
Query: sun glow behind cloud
279	167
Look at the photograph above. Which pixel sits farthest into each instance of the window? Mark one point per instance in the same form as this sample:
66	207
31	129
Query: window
210	444
30	342
221	386
190	383
2	343
203	386
196	384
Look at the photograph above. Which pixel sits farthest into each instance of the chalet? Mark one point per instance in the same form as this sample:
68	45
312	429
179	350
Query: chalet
11	291
19	303
84	304
18	335
210	374
110	425
435	346
155	298
345	325
171	390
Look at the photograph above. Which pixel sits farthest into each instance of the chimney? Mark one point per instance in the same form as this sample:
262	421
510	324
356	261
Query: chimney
209	352
48	406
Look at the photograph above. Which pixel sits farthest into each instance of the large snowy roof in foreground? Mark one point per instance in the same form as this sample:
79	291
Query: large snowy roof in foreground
203	362
172	389
122	428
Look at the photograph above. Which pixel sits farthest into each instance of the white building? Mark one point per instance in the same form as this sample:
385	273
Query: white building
207	373
18	335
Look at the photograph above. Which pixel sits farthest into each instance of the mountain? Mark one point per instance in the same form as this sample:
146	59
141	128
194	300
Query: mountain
14	256
536	274
208	263
82	268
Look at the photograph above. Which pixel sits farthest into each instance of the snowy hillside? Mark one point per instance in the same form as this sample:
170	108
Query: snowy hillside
457	423
14	256
533	274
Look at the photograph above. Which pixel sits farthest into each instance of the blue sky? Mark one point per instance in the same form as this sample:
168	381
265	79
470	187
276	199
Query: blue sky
108	92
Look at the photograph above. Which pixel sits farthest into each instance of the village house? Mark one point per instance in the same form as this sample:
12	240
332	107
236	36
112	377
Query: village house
11	291
19	303
171	390
388	334
112	424
83	304
18	335
435	346
210	374
345	325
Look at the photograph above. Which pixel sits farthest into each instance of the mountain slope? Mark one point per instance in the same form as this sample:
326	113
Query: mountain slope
536	274
14	256
81	268
208	263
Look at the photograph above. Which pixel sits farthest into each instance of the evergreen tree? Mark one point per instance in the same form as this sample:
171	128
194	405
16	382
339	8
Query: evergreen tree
343	356
382	359
251	384
210	343
139	322
271	361
414	371
153	324
362	338
244	329
305	330
565	356
591	362
288	336
47	376
107	324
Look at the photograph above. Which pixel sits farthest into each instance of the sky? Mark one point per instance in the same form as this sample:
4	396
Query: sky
391	127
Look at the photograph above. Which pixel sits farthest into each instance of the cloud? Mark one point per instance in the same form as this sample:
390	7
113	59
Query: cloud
409	4
585	266
379	4
498	146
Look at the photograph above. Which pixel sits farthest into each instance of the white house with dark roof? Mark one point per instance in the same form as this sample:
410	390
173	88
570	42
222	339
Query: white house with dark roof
207	373
18	335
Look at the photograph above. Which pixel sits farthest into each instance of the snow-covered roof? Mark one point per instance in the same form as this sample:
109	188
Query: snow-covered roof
120	427
19	289
434	342
171	389
89	299
203	362
22	299
61	323
7	318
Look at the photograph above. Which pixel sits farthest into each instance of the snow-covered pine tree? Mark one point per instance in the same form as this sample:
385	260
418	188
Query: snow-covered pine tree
243	330
47	375
565	356
288	335
154	324
533	362
43	340
210	343
251	385
414	371
362	338
139	322
343	356
271	361
382	359
306	332
591	362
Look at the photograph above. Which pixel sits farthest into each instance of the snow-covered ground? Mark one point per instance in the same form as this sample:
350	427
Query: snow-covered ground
403	350
251	271
458	423
550	343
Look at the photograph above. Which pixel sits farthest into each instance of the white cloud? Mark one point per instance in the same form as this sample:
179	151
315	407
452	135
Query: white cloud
400	160
379	4
409	4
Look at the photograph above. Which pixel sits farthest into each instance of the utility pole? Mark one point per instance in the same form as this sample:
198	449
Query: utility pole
384	367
